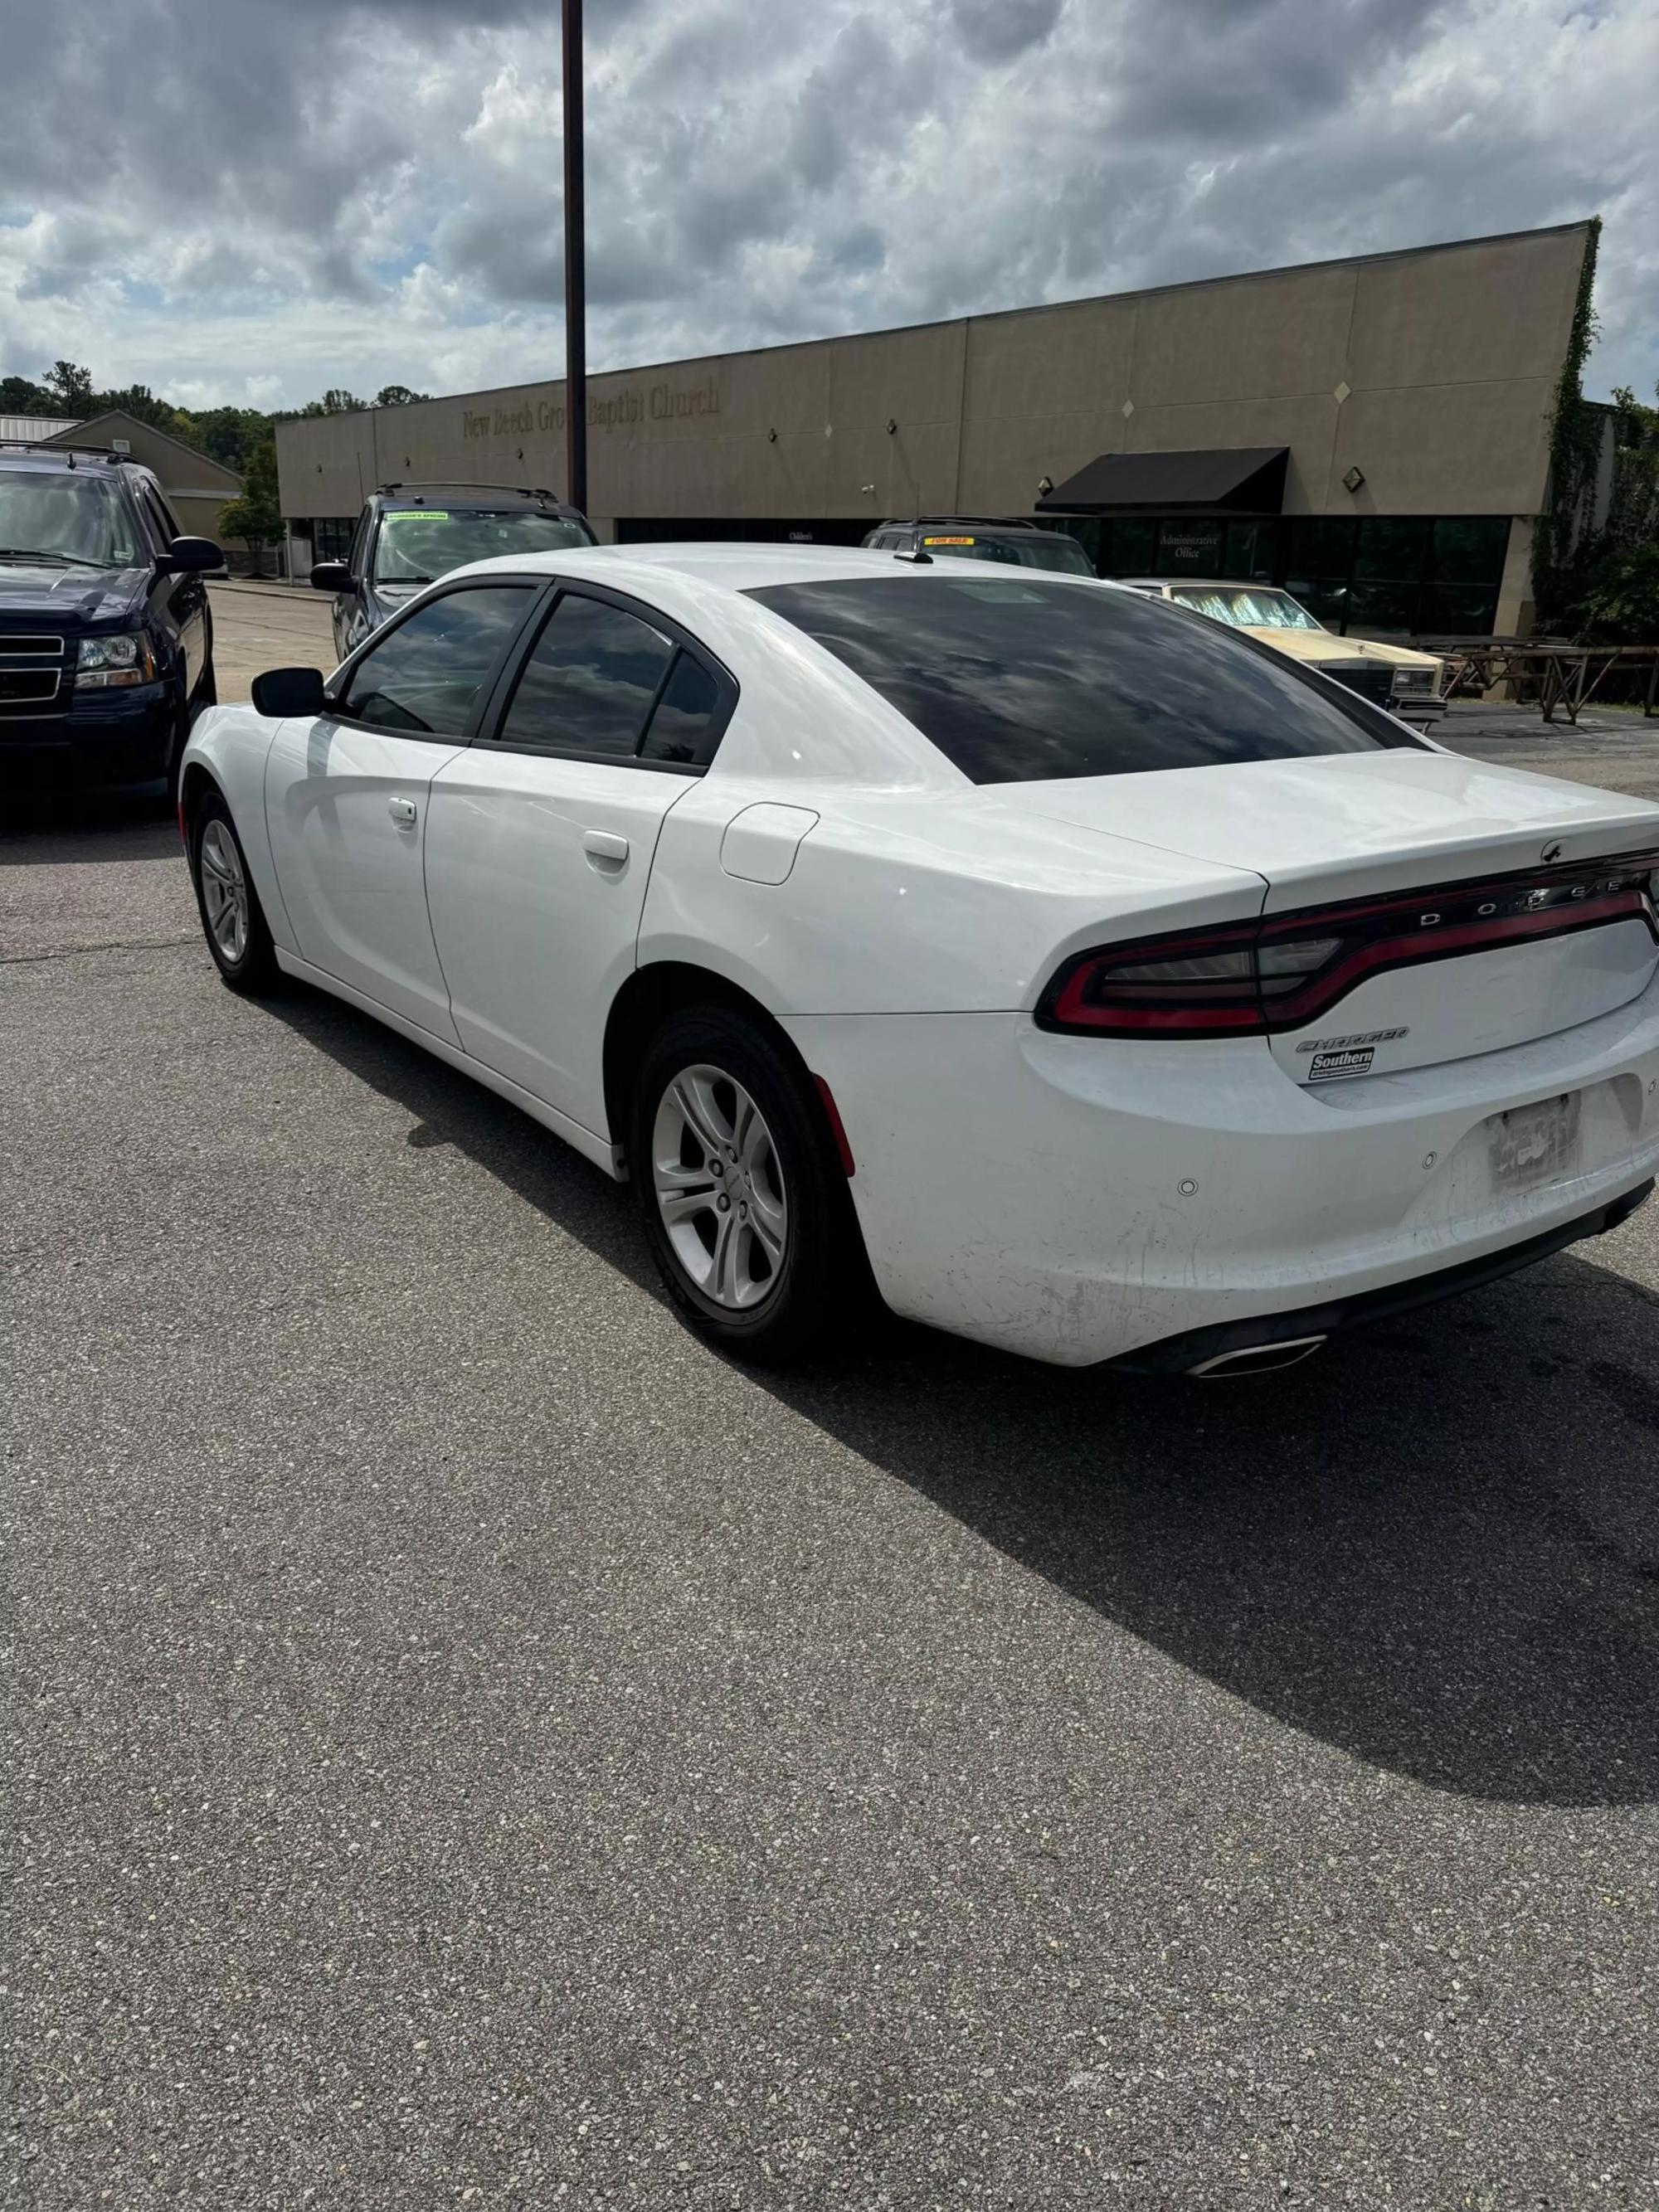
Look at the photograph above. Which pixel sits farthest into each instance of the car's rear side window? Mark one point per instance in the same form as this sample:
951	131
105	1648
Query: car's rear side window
687	723
1017	680
589	684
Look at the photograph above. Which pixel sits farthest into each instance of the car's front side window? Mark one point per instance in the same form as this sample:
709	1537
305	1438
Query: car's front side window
423	677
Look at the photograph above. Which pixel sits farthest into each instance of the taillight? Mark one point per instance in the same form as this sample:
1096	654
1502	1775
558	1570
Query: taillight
1204	985
1283	972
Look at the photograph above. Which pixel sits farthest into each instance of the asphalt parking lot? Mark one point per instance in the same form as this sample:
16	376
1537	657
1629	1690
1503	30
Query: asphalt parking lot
469	1746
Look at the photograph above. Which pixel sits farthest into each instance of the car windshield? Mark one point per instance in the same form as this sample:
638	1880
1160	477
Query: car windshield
1015	679
1244	609
65	517
1061	556
418	543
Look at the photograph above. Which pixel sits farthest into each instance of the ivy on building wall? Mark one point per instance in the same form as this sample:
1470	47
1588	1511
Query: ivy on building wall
1561	534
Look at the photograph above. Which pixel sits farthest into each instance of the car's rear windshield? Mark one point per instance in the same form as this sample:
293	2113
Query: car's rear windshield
1017	679
418	543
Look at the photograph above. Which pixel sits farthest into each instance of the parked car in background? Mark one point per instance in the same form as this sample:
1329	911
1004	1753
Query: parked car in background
1410	683
105	637
411	534
1094	977
1015	544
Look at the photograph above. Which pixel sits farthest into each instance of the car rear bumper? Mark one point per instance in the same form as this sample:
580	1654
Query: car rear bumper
119	743
1079	1199
1213	1351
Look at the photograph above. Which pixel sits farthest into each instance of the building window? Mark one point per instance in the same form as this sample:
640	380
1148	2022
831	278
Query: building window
330	537
1128	546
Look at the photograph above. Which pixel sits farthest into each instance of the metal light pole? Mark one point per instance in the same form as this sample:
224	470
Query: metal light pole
575	269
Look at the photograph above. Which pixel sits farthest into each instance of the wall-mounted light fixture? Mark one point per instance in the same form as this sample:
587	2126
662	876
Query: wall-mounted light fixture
771	437
1045	485
1353	479
892	425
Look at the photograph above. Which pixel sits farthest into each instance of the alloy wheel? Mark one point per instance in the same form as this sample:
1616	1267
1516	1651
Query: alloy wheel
720	1188
224	890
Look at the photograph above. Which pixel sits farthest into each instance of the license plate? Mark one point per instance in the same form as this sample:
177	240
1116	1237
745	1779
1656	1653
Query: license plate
1535	1144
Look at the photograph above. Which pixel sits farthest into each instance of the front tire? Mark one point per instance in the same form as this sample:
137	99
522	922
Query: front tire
744	1203
233	921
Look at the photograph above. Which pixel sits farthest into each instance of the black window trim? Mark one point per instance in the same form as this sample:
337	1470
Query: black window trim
360	546
539	592
488	739
147	498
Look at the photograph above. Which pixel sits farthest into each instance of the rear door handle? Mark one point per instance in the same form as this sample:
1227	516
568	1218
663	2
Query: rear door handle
605	845
402	810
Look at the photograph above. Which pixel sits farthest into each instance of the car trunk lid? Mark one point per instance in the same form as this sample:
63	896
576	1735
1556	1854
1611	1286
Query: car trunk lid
1540	948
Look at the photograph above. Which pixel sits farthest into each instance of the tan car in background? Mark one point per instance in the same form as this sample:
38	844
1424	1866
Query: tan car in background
1411	684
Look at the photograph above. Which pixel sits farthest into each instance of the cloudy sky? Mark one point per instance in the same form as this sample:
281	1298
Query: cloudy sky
250	200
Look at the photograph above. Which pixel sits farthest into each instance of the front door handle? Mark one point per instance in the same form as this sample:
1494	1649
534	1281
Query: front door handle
403	811
605	845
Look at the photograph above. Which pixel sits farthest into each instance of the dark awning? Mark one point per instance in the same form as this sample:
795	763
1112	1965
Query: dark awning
1239	480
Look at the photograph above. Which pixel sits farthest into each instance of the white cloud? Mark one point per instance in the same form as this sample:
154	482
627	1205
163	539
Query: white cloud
353	193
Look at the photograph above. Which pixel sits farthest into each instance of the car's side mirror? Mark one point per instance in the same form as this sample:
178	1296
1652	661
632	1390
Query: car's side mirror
189	556
331	576
282	691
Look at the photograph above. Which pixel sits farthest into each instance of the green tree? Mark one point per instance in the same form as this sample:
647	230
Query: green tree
229	435
257	517
19	395
1612	594
71	388
141	402
337	400
398	395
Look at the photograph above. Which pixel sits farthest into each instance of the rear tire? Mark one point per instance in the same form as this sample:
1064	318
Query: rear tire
744	1203
233	921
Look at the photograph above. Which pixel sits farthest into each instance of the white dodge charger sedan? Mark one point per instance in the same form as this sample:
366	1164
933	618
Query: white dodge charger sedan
1086	976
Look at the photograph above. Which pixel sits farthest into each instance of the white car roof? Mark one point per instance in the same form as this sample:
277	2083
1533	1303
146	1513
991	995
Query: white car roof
726	566
804	712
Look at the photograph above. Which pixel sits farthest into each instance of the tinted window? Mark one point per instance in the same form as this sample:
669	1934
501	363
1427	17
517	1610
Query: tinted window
423	677
1016	678
685	726
588	686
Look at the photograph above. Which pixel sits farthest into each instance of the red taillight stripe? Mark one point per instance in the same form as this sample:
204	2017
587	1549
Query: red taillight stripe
1415	951
1070	1009
1090	995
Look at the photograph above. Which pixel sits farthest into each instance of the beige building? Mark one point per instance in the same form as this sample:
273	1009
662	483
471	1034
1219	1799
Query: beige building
1371	432
196	487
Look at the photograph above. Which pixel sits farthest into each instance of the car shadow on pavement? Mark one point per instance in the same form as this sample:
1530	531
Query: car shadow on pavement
1435	1547
41	833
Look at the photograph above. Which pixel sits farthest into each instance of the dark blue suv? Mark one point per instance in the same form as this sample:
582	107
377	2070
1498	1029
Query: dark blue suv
105	639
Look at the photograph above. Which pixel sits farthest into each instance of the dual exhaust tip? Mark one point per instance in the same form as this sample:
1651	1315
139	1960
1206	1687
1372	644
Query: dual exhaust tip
1260	1359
